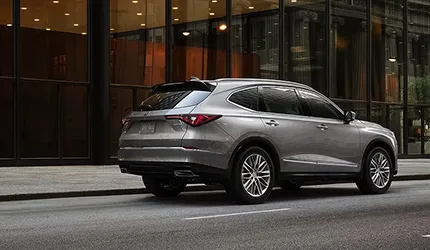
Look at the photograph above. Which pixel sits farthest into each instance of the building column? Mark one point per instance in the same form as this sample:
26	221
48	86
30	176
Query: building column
98	45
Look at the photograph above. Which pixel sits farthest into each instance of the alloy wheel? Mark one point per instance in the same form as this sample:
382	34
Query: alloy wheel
380	170
255	175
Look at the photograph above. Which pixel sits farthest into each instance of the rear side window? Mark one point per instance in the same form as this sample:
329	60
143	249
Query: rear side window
173	99
247	98
281	100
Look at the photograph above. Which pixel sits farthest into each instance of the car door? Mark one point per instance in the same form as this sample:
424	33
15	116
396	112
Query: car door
337	143
283	117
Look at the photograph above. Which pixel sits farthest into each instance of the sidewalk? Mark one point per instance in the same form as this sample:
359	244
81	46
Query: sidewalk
18	183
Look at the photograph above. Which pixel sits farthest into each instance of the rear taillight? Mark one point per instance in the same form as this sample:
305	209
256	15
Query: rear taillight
194	120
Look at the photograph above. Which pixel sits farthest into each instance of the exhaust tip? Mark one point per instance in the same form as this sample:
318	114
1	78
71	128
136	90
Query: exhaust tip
123	170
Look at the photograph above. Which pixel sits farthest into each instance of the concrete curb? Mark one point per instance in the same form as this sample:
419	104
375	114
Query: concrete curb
38	196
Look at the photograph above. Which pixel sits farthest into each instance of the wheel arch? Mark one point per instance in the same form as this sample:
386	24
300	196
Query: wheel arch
377	143
256	141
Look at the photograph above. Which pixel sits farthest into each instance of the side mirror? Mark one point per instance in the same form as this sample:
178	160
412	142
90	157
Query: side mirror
349	116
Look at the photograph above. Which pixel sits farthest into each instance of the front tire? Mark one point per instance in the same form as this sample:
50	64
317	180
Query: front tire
377	172
163	187
253	176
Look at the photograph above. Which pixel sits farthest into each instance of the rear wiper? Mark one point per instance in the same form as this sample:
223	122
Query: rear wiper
144	107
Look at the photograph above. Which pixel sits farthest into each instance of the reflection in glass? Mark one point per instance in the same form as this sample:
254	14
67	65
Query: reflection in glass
348	50
54	41
360	109
391	117
306	44
199	39
418	54
255	39
387	50
138	42
426	130
414	130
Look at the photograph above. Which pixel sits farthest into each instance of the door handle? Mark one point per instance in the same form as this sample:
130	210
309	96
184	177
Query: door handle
272	123
322	126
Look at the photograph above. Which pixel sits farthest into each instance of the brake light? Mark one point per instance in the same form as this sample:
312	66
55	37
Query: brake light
194	120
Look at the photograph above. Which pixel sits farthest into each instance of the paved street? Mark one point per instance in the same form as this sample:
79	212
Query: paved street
318	217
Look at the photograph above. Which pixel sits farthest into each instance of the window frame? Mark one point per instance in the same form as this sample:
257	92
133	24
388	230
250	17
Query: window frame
262	106
324	98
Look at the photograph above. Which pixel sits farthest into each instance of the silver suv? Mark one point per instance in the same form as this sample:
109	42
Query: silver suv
249	135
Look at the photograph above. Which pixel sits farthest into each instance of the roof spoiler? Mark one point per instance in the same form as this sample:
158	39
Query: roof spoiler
193	84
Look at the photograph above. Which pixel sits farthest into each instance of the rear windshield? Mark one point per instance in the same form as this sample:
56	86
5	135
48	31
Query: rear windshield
173	99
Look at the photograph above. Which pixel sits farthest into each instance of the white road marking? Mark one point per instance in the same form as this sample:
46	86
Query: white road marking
236	214
426	236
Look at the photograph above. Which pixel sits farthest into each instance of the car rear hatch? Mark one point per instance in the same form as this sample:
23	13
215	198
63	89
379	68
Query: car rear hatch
149	124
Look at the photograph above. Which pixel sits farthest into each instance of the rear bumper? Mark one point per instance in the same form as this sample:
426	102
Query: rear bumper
167	160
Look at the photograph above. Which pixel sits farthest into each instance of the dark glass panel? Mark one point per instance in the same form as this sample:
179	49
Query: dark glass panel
305	34
75	120
53	39
387	50
199	39
7	128
39	119
121	103
349	49
255	39
138	42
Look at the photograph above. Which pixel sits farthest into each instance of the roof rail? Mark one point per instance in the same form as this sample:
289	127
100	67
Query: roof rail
265	80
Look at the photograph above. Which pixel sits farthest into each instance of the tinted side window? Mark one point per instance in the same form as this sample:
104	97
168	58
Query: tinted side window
319	107
246	98
281	100
174	99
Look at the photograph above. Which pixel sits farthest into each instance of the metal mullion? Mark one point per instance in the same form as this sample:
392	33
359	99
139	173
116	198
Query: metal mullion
405	77
228	37
328	46
17	74
169	40
369	59
282	39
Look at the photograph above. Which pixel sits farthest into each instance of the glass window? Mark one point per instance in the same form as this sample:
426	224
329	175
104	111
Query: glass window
349	49
414	130
391	117
138	42
173	99
305	54
246	98
7	126
387	50
39	119
199	39
360	109
255	39
318	107
6	38
53	39
281	100
419	53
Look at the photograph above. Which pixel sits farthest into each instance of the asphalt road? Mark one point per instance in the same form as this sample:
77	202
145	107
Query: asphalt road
318	217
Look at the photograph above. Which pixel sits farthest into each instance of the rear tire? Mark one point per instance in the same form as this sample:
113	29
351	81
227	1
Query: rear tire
377	172
163	187
253	176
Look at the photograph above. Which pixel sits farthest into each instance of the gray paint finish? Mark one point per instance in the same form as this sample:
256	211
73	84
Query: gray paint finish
304	144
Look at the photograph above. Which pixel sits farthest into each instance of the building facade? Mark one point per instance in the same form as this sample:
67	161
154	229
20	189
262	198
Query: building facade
70	70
